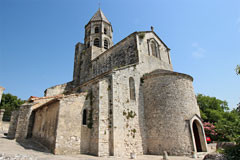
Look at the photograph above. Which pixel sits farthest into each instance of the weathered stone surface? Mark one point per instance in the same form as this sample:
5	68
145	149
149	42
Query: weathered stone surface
13	124
59	89
68	131
123	99
169	105
23	121
45	124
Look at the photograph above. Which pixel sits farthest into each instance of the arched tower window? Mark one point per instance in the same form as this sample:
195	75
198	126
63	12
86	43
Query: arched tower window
89	32
105	31
96	42
132	89
84	117
96	29
154	49
105	44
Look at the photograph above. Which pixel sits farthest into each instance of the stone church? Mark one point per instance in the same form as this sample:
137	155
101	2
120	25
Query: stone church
123	99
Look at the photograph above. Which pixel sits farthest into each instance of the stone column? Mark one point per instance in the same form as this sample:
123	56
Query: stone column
1	92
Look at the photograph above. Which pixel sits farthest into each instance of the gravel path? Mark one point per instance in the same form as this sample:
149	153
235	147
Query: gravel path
11	150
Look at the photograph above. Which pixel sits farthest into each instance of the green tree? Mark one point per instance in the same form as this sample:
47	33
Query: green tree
211	108
238	69
10	102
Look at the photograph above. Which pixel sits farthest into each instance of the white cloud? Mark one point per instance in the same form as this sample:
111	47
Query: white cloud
198	52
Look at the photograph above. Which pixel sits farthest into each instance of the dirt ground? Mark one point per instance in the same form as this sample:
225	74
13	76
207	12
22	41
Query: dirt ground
11	150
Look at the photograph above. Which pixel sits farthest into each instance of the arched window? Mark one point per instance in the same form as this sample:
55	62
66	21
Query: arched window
89	32
84	117
96	42
88	44
154	49
105	44
105	31
96	29
132	89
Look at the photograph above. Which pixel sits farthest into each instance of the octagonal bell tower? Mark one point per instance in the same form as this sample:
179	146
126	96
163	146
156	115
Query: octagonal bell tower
98	31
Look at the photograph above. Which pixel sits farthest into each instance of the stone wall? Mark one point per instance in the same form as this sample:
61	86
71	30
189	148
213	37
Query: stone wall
148	62
170	103
78	50
128	114
23	121
99	117
59	89
45	124
13	124
104	139
69	138
122	54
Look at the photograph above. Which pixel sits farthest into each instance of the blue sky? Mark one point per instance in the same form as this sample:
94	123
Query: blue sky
37	39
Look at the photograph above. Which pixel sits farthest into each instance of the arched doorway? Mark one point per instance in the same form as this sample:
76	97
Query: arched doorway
196	130
198	134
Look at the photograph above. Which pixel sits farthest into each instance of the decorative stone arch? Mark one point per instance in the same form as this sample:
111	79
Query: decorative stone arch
198	134
153	48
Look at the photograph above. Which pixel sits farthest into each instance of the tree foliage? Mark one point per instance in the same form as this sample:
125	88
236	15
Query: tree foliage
225	123
212	109
238	69
10	102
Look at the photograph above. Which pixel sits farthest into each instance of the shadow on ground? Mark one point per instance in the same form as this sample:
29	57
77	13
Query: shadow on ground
32	145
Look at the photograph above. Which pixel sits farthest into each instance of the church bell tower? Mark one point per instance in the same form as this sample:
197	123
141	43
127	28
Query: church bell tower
98	32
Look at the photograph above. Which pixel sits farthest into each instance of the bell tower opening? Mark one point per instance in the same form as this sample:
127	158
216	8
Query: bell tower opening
97	31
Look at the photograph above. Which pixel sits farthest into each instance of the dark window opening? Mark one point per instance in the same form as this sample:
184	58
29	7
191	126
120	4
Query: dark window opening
132	89
84	120
105	31
96	29
96	42
105	44
154	50
88	44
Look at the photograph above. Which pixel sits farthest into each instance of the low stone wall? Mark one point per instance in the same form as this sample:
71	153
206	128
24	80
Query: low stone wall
23	121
